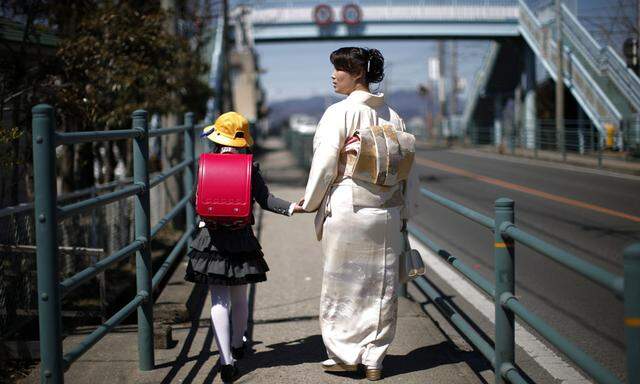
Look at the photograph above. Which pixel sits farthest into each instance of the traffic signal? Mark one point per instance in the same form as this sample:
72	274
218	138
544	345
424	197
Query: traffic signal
630	50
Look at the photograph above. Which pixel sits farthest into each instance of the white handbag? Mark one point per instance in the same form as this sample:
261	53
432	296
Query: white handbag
411	264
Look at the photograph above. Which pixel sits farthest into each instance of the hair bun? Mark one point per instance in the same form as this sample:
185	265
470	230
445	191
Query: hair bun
375	70
358	61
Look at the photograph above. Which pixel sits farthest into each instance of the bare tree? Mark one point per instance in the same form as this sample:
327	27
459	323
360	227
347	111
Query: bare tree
612	23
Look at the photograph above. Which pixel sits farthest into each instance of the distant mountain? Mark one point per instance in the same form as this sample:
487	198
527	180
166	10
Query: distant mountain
407	103
280	111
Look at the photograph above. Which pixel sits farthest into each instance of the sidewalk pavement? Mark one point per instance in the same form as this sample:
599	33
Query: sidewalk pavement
287	345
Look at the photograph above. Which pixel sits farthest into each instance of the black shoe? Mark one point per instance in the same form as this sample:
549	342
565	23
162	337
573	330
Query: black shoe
238	353
228	373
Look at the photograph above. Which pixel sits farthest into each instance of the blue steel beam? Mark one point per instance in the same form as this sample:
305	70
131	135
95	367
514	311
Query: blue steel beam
288	32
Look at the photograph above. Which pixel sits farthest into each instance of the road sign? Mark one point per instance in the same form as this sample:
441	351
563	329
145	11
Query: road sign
351	14
323	14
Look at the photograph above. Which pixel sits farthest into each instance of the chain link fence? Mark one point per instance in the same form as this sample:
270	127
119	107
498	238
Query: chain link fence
84	239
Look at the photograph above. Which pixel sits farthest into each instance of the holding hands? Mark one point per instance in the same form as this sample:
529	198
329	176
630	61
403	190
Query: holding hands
298	207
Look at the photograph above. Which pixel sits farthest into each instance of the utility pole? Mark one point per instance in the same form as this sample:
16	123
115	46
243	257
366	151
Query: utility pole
442	99
560	82
387	78
454	78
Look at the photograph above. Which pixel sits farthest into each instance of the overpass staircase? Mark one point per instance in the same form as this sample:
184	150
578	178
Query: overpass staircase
596	75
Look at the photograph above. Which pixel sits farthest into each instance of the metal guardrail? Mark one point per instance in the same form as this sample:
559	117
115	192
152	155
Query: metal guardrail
507	305
50	290
26	207
301	145
539	138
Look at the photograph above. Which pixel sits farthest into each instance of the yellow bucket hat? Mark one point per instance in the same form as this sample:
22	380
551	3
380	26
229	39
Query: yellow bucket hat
230	129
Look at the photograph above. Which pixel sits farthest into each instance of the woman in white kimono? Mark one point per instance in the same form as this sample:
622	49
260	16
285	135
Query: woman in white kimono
358	223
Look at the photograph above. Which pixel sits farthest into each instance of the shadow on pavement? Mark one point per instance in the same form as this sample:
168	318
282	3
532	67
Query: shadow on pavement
299	351
311	350
195	303
425	358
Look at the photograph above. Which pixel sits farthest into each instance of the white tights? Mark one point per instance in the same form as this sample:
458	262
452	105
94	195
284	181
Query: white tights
223	299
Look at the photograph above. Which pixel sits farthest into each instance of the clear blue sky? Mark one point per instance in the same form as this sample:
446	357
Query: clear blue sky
299	70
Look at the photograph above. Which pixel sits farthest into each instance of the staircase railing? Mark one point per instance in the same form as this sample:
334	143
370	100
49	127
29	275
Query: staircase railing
604	60
480	82
585	89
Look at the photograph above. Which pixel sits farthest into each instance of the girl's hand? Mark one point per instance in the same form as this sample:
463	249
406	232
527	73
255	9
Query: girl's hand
298	209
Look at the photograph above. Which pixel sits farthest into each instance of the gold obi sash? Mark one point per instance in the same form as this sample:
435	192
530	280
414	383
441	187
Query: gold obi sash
385	156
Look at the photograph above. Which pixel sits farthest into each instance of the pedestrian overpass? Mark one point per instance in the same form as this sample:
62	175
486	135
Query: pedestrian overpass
597	77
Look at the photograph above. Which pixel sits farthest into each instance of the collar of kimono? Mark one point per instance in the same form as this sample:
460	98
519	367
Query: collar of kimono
367	98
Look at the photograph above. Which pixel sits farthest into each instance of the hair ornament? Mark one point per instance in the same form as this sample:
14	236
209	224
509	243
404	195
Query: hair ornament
209	131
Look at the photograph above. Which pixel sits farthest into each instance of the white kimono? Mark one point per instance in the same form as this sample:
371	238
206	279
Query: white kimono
359	225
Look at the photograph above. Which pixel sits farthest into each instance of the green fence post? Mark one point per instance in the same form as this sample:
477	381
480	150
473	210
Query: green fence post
505	286
143	231
632	310
189	154
44	169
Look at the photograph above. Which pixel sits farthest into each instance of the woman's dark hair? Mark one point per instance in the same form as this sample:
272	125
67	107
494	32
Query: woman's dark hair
359	61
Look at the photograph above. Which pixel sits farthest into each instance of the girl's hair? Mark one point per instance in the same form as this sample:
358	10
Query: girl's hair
359	61
216	148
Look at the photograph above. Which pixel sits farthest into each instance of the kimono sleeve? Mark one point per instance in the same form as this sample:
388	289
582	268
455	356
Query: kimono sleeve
327	142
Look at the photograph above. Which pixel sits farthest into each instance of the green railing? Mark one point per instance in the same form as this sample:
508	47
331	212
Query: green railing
508	306
301	145
47	213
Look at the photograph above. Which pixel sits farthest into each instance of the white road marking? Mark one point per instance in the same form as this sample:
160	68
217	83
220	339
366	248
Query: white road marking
545	357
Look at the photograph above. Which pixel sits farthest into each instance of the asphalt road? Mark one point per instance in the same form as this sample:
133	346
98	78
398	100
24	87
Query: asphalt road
593	216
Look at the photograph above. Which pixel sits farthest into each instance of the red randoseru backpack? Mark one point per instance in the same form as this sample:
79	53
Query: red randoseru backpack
223	195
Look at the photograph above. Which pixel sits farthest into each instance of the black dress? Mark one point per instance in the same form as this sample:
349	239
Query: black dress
233	256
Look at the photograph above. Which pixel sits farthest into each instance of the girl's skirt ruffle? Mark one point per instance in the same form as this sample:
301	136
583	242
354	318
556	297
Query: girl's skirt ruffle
226	268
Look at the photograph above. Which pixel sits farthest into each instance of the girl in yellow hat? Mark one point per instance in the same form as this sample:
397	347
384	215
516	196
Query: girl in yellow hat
228	259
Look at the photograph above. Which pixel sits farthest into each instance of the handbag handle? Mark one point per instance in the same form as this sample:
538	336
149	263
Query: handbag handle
405	235
405	232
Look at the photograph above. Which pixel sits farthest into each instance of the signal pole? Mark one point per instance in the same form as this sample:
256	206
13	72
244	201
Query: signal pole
454	79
